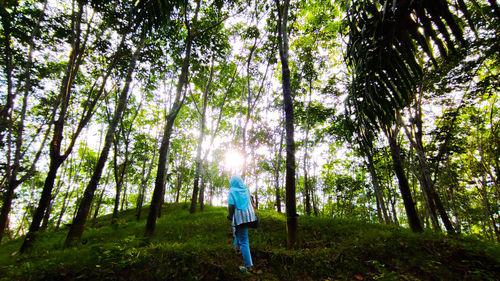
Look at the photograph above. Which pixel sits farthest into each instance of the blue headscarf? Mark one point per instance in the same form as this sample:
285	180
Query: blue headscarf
238	193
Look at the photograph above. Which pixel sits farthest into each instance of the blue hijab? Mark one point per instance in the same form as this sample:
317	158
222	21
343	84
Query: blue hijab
238	193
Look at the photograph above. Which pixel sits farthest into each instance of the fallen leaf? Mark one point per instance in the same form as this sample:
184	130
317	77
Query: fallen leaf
358	277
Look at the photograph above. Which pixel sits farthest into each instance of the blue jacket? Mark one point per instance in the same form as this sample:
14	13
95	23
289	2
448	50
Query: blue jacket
239	207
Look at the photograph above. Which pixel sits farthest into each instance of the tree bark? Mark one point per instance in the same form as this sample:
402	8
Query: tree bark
291	209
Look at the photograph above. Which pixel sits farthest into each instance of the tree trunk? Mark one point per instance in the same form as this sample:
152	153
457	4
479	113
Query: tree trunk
46	217
404	187
306	140
154	209
277	173
78	225
118	183
291	209
202	190
124	199
178	186
98	205
198	167
55	163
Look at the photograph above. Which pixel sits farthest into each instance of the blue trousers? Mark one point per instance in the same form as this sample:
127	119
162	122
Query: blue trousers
241	242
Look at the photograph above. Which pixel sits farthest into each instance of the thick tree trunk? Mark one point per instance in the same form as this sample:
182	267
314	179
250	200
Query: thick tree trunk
78	225
404	187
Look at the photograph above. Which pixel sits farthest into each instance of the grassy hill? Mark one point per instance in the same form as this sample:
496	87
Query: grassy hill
199	247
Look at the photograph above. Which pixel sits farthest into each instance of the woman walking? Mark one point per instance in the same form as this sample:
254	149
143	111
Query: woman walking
243	216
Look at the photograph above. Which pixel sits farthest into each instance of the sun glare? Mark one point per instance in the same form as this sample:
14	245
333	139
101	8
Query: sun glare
233	161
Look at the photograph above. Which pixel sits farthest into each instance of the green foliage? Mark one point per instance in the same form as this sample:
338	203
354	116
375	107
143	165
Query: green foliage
199	246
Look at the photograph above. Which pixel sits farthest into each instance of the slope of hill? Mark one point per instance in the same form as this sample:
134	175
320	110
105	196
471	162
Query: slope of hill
199	247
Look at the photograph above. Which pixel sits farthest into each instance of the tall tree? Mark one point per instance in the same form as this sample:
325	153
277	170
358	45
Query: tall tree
290	188
158	191
202	113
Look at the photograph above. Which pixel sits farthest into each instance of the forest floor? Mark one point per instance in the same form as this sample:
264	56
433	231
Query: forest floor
199	247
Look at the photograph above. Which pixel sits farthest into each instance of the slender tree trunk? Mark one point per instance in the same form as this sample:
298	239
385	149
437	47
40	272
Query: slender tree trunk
291	209
154	209
78	225
483	192
21	224
144	183
118	184
63	208
121	170
124	199
306	147
404	187
98	205
202	190
198	167
277	172
178	186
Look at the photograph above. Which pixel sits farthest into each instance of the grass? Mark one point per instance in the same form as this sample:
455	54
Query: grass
199	247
